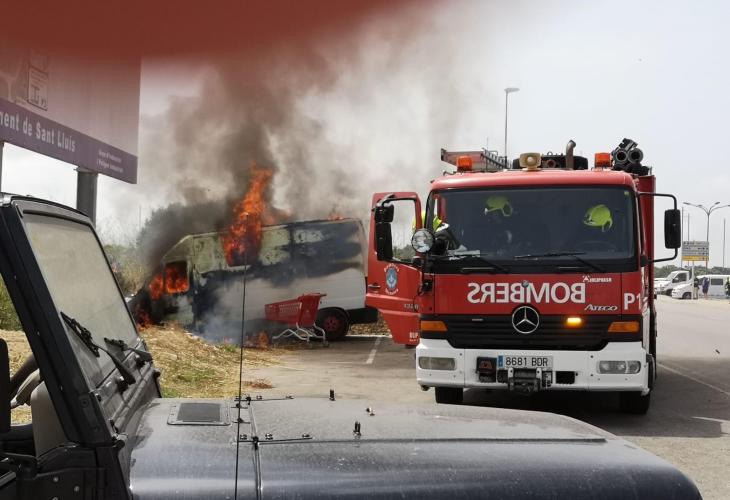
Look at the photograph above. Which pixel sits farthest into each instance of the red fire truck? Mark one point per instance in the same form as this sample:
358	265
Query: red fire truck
533	276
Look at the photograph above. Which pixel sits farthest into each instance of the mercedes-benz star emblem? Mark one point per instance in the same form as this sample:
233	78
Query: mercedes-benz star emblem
525	320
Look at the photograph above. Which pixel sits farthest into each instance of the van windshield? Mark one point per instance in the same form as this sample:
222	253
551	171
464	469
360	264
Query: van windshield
82	286
536	227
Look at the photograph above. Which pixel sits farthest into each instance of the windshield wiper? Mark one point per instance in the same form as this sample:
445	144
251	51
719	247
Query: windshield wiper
575	255
122	345
490	266
88	340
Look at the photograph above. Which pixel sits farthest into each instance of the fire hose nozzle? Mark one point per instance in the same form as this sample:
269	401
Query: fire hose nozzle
620	156
635	156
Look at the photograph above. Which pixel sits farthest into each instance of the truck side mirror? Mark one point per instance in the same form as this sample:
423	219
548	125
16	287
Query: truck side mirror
4	386
384	213
384	239
672	228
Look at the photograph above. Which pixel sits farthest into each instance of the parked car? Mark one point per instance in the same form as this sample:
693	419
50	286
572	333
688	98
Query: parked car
664	286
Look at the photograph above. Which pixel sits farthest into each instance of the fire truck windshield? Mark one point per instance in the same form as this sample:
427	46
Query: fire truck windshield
536	228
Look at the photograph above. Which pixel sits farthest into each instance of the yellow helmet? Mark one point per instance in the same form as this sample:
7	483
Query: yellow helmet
436	221
598	216
498	203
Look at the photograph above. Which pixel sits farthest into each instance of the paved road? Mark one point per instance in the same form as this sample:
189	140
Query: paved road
688	423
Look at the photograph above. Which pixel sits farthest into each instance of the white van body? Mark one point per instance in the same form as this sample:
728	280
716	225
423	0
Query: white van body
682	291
715	291
676	278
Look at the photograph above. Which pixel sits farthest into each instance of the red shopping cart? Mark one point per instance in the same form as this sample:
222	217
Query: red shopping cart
298	315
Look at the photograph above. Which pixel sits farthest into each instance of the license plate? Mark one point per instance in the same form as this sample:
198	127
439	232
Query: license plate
504	362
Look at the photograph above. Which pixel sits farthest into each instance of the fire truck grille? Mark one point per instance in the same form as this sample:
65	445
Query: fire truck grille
488	332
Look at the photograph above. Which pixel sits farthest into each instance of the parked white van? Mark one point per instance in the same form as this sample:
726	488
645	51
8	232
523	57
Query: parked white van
715	291
664	286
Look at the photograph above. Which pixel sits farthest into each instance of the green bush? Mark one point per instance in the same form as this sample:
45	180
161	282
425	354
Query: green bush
127	267
8	317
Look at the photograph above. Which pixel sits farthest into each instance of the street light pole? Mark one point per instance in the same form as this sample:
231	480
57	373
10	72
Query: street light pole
681	248
708	212
507	92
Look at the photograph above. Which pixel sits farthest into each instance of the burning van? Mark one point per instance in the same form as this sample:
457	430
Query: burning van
200	284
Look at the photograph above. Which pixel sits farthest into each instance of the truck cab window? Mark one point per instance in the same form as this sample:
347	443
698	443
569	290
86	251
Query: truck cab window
505	225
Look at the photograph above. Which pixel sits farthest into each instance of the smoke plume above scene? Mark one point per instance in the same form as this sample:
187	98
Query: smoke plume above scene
323	115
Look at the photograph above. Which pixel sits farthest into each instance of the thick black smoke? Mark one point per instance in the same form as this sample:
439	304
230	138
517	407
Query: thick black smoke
253	108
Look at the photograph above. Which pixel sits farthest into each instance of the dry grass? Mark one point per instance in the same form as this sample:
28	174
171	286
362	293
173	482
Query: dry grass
378	328
19	350
193	368
190	367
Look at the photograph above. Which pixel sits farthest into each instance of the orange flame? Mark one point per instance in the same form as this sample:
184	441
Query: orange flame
258	341
244	234
143	318
176	278
156	287
334	214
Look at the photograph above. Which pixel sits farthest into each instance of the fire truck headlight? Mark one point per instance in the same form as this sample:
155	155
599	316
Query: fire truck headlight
429	363
422	240
633	367
619	367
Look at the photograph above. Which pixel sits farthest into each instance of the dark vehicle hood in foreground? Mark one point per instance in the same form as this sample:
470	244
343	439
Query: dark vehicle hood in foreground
307	448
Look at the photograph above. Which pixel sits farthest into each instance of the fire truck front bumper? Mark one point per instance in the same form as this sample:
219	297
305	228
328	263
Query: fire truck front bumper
619	366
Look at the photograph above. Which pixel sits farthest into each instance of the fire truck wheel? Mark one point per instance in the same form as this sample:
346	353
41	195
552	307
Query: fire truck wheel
449	395
334	322
634	402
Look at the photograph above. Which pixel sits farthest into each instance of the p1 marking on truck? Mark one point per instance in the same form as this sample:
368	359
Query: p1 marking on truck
530	278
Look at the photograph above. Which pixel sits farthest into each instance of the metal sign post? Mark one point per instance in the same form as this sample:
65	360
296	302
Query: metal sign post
2	145
86	193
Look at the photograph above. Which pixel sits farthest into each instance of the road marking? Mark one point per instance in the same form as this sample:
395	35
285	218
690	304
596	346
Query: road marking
674	370
373	351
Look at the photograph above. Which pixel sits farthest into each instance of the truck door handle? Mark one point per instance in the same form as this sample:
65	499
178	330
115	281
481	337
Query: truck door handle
373	286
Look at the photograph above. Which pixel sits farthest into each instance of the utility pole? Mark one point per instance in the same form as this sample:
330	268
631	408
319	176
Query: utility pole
681	248
507	92
723	243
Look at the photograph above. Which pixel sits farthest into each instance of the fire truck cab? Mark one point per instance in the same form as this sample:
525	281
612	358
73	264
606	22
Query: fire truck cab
530	278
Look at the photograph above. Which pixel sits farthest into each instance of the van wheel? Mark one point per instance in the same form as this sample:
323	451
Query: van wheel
334	322
686	296
449	395
634	403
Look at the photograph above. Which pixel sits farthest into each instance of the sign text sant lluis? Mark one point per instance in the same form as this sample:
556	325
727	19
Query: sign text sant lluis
695	250
81	114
